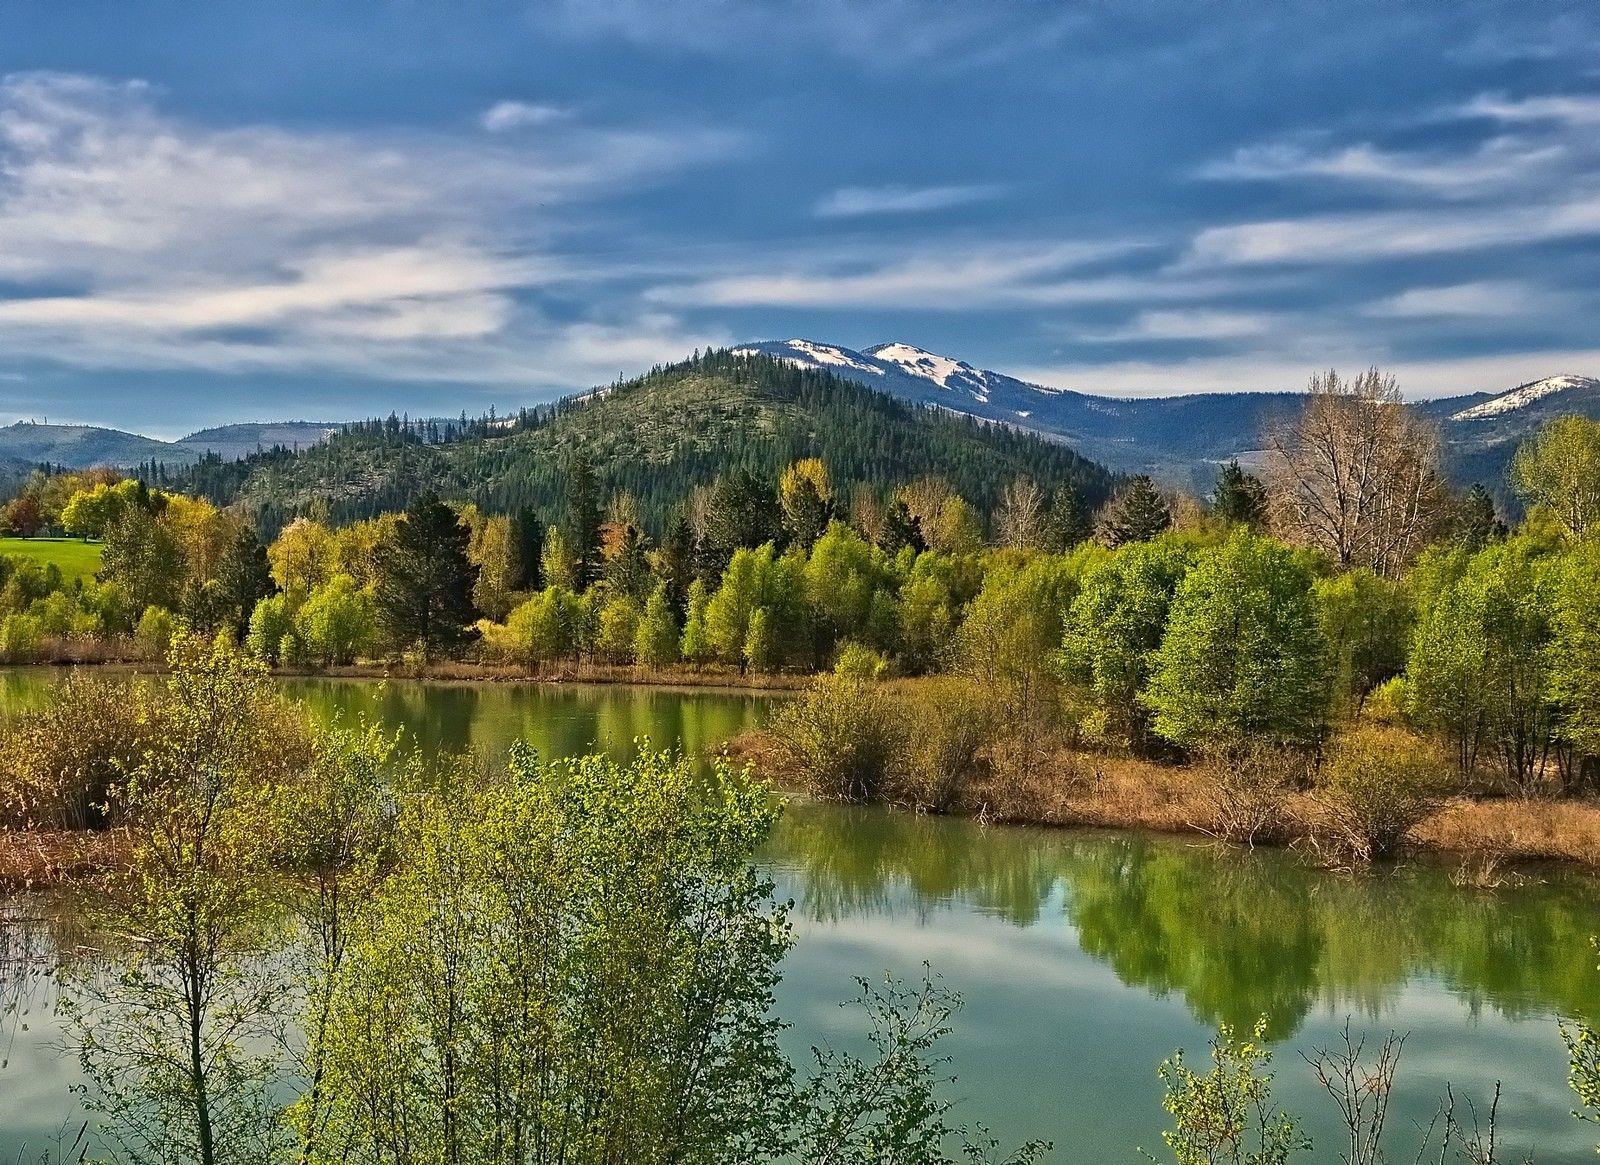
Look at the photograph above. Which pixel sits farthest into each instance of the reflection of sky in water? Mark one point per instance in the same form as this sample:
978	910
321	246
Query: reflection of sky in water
1084	957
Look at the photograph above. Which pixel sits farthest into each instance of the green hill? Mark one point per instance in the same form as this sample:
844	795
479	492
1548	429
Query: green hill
656	436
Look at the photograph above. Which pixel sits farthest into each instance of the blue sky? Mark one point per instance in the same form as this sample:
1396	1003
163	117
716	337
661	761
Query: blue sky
246	211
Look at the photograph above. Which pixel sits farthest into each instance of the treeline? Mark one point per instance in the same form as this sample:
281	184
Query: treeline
655	438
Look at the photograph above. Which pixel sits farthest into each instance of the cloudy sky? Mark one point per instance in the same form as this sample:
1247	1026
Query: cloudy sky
248	211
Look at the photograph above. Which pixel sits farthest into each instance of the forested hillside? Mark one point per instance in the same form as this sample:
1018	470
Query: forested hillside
655	437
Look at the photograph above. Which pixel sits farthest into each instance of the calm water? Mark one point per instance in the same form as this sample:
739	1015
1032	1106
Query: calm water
1084	957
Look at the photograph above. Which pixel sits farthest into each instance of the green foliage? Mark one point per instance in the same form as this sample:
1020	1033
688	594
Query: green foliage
599	925
270	622
336	625
618	628
1366	622
1137	514
1225	1116
840	738
1242	657
757	580
75	560
1115	626
1558	469
1239	497
949	723
20	637
154	633
1376	786
1478	673
656	643
144	557
423	592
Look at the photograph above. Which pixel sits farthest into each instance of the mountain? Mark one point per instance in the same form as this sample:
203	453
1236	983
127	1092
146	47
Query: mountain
1182	439
27	443
80	446
657	437
231	442
1481	432
1179	439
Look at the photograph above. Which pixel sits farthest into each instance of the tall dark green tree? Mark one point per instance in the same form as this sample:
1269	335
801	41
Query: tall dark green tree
628	570
742	511
1240	497
423	588
1137	514
1476	523
583	516
674	560
243	579
900	529
527	538
1066	522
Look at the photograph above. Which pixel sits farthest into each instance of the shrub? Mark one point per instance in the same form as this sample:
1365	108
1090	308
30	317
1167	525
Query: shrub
154	633
857	661
60	764
1377	784
949	725
269	623
20	636
1247	790
839	738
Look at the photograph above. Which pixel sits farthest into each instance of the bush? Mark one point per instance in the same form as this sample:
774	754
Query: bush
1247	790
1377	785
857	661
949	725
839	738
154	633
60	765
20	636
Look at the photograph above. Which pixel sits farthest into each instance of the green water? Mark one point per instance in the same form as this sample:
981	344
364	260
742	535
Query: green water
1084	957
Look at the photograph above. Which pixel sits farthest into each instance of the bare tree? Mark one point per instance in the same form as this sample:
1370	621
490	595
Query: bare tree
1021	519
1356	474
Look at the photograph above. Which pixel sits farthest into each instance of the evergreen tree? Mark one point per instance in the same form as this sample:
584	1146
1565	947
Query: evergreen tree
1137	514
674	560
244	578
1066	523
1476	523
423	589
628	569
583	517
527	535
900	530
805	495
1240	497
741	512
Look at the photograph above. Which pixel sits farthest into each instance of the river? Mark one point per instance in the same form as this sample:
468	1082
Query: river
1084	957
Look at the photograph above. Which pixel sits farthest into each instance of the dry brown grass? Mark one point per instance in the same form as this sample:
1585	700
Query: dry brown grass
30	859
1517	829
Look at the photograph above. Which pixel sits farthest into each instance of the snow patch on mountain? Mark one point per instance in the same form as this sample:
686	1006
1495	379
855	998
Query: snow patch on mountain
1523	396
939	369
807	354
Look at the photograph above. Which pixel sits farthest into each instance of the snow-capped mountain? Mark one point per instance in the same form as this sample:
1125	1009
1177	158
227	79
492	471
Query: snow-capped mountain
1527	394
1182	438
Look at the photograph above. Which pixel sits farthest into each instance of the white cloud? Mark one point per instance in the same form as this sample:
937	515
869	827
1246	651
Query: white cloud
1348	238
1502	160
942	277
1196	324
135	239
852	201
1570	109
1280	370
509	115
1487	298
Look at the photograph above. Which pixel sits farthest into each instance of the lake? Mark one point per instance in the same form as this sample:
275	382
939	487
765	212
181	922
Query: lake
1084	957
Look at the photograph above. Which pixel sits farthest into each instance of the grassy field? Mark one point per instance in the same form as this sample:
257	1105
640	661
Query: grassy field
76	559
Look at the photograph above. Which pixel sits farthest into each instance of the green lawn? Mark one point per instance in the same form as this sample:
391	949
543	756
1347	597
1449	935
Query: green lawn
75	558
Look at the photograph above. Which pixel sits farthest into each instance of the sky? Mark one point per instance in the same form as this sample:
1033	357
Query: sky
233	211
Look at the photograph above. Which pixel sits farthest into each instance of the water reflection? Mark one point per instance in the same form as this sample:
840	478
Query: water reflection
1235	934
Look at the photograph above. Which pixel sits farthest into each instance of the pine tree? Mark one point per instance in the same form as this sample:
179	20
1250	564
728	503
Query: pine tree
900	529
528	538
423	589
1137	514
583	517
1476	523
243	578
1240	497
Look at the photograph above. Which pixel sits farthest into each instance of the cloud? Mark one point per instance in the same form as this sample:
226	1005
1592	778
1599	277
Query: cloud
1487	298
943	277
1497	162
1357	237
1287	369
1187	324
1568	109
851	201
509	115
131	238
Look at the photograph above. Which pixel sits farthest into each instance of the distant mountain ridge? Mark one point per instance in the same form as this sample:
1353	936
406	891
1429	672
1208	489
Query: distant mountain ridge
26	443
1182	439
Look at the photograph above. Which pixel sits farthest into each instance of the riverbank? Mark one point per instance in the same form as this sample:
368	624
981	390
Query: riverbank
1088	789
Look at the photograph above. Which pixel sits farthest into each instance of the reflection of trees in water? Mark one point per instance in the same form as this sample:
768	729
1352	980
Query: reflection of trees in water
1236	933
